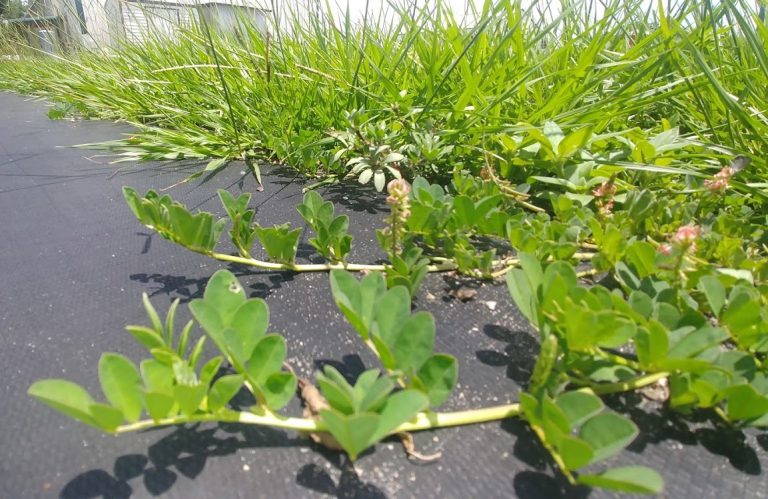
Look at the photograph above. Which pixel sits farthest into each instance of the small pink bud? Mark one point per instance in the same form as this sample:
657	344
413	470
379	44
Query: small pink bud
686	235
719	181
665	249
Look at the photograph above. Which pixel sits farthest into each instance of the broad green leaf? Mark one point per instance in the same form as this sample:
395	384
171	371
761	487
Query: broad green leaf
224	293
223	390
632	479
250	323
414	342
400	408
608	433
696	342
354	433
356	298
579	406
267	358
209	318
121	384
642	256
714	291
523	295
575	452
278	389
554	134
559	279
573	142
745	403
159	405
438	376
107	417
391	311
652	344
158	377
189	397
66	397
554	419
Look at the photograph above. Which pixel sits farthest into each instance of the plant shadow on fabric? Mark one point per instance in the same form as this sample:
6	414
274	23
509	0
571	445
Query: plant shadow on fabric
186	451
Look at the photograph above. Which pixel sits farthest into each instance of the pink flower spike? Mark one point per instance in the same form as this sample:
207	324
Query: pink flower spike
398	188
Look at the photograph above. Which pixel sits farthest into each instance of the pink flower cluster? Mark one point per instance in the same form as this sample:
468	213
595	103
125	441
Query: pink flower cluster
685	239
398	190
605	194
719	182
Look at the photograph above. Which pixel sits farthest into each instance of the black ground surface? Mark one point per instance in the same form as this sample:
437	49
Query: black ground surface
74	263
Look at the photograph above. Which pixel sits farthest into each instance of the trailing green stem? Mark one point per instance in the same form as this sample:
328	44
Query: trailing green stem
629	385
423	420
317	267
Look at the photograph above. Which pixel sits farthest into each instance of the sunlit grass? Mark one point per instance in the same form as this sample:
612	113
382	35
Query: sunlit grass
420	77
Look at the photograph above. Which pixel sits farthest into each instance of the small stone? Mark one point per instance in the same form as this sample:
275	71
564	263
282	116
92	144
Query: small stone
246	467
463	293
491	305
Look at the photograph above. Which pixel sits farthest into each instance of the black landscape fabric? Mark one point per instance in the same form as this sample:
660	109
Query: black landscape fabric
74	262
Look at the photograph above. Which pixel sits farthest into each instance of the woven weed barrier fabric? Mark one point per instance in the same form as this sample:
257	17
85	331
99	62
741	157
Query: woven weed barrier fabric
75	261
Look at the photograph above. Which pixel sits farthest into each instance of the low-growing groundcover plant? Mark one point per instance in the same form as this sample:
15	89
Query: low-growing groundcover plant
672	299
609	168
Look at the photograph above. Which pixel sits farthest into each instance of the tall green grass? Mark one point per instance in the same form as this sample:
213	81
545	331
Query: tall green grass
420	80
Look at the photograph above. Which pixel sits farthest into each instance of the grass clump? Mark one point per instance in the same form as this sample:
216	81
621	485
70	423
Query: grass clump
415	91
